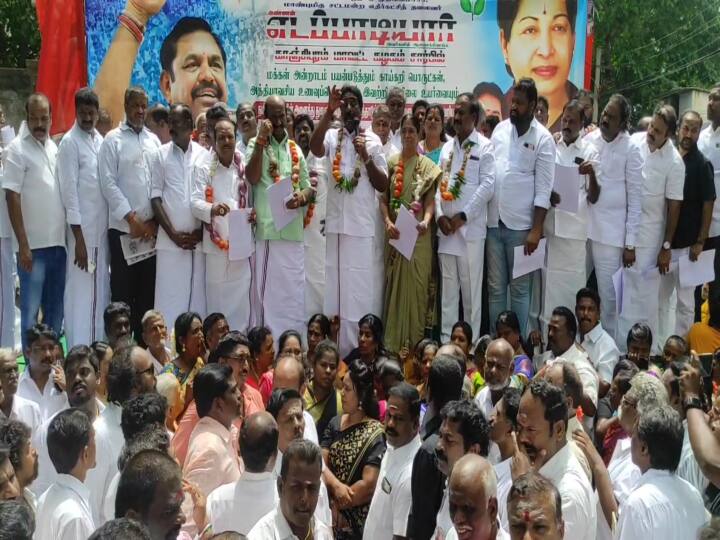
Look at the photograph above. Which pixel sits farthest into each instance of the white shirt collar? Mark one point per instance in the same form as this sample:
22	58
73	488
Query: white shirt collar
70	482
405	452
555	467
595	334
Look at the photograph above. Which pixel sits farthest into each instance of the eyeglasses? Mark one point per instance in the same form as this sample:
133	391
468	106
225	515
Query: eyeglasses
148	371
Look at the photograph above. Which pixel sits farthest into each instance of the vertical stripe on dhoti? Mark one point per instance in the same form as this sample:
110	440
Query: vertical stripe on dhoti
180	283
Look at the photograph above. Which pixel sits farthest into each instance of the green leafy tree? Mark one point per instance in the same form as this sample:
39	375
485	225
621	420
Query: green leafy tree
651	47
19	33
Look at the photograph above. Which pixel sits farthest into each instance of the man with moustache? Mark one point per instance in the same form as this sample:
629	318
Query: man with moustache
503	429
37	216
280	253
23	457
116	319
395	102
390	505
543	448
359	171
693	228
247	126
662	195
473	501
599	345
564	272
464	430
13	406
525	168
88	281
461	210
155	335
614	219
179	261
124	172
227	283
535	509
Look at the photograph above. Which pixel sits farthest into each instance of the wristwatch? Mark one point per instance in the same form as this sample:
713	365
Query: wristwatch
666	245
692	403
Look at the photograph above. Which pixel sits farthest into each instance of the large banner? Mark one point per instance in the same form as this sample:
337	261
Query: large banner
203	51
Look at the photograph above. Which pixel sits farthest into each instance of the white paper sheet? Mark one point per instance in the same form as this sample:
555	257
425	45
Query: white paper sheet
699	272
277	197
640	292
453	244
137	249
407	225
567	185
524	264
240	237
7	134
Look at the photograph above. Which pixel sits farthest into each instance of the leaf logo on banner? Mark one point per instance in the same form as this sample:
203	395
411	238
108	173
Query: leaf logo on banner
475	8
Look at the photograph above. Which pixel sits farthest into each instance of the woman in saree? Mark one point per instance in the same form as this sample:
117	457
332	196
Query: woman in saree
353	446
190	347
408	309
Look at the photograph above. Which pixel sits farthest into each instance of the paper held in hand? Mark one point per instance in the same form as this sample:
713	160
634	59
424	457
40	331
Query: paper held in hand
567	185
524	264
240	237
406	224
137	249
279	194
699	272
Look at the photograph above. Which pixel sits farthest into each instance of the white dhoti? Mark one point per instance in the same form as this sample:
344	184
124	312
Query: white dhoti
180	283
378	260
462	275
314	240
280	278
563	276
7	293
640	297
228	290
86	295
349	286
675	317
607	260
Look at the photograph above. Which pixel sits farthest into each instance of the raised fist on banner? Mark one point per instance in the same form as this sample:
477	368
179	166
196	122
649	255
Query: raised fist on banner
144	9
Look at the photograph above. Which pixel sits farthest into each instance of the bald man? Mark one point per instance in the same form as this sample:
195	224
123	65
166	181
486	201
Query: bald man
498	369
473	501
535	509
289	373
273	157
238	506
451	349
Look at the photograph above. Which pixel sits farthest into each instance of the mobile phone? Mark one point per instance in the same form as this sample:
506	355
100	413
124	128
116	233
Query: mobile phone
91	267
578	160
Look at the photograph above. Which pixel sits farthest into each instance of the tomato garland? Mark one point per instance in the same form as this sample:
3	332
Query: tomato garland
453	193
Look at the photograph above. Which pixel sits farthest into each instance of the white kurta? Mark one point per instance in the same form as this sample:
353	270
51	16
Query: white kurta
27	412
314	238
350	224
463	274
109	442
709	145
662	506
274	526
238	506
50	400
86	293
7	272
180	283
228	284
64	511
602	351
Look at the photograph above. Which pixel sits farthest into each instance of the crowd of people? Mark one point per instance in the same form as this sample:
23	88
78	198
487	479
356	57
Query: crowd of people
220	340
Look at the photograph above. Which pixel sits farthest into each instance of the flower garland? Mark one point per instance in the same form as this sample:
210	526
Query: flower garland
454	192
342	183
274	172
219	241
399	182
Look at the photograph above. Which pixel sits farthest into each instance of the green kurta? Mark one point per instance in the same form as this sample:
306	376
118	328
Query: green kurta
409	305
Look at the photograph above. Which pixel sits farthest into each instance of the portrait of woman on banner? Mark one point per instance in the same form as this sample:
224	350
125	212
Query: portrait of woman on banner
537	39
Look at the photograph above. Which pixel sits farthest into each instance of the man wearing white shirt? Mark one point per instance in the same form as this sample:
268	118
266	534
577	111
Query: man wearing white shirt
390	504
474	501
395	102
709	145
7	259
246	126
358	171
219	186
298	486
561	343
614	219
131	373
289	373
461	210
64	509
566	232
599	345
87	290
155	337
535	508
42	381
238	506
124	171
503	426
37	216
13	406
542	424
180	261
663	176
525	169
23	457
662	505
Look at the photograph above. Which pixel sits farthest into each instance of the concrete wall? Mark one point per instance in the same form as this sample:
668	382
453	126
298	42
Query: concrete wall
15	86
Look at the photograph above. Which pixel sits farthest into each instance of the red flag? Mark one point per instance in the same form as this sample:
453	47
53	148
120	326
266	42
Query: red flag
62	67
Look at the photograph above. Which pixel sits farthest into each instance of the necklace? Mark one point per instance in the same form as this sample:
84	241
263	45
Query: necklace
454	192
274	172
218	240
342	183
399	182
